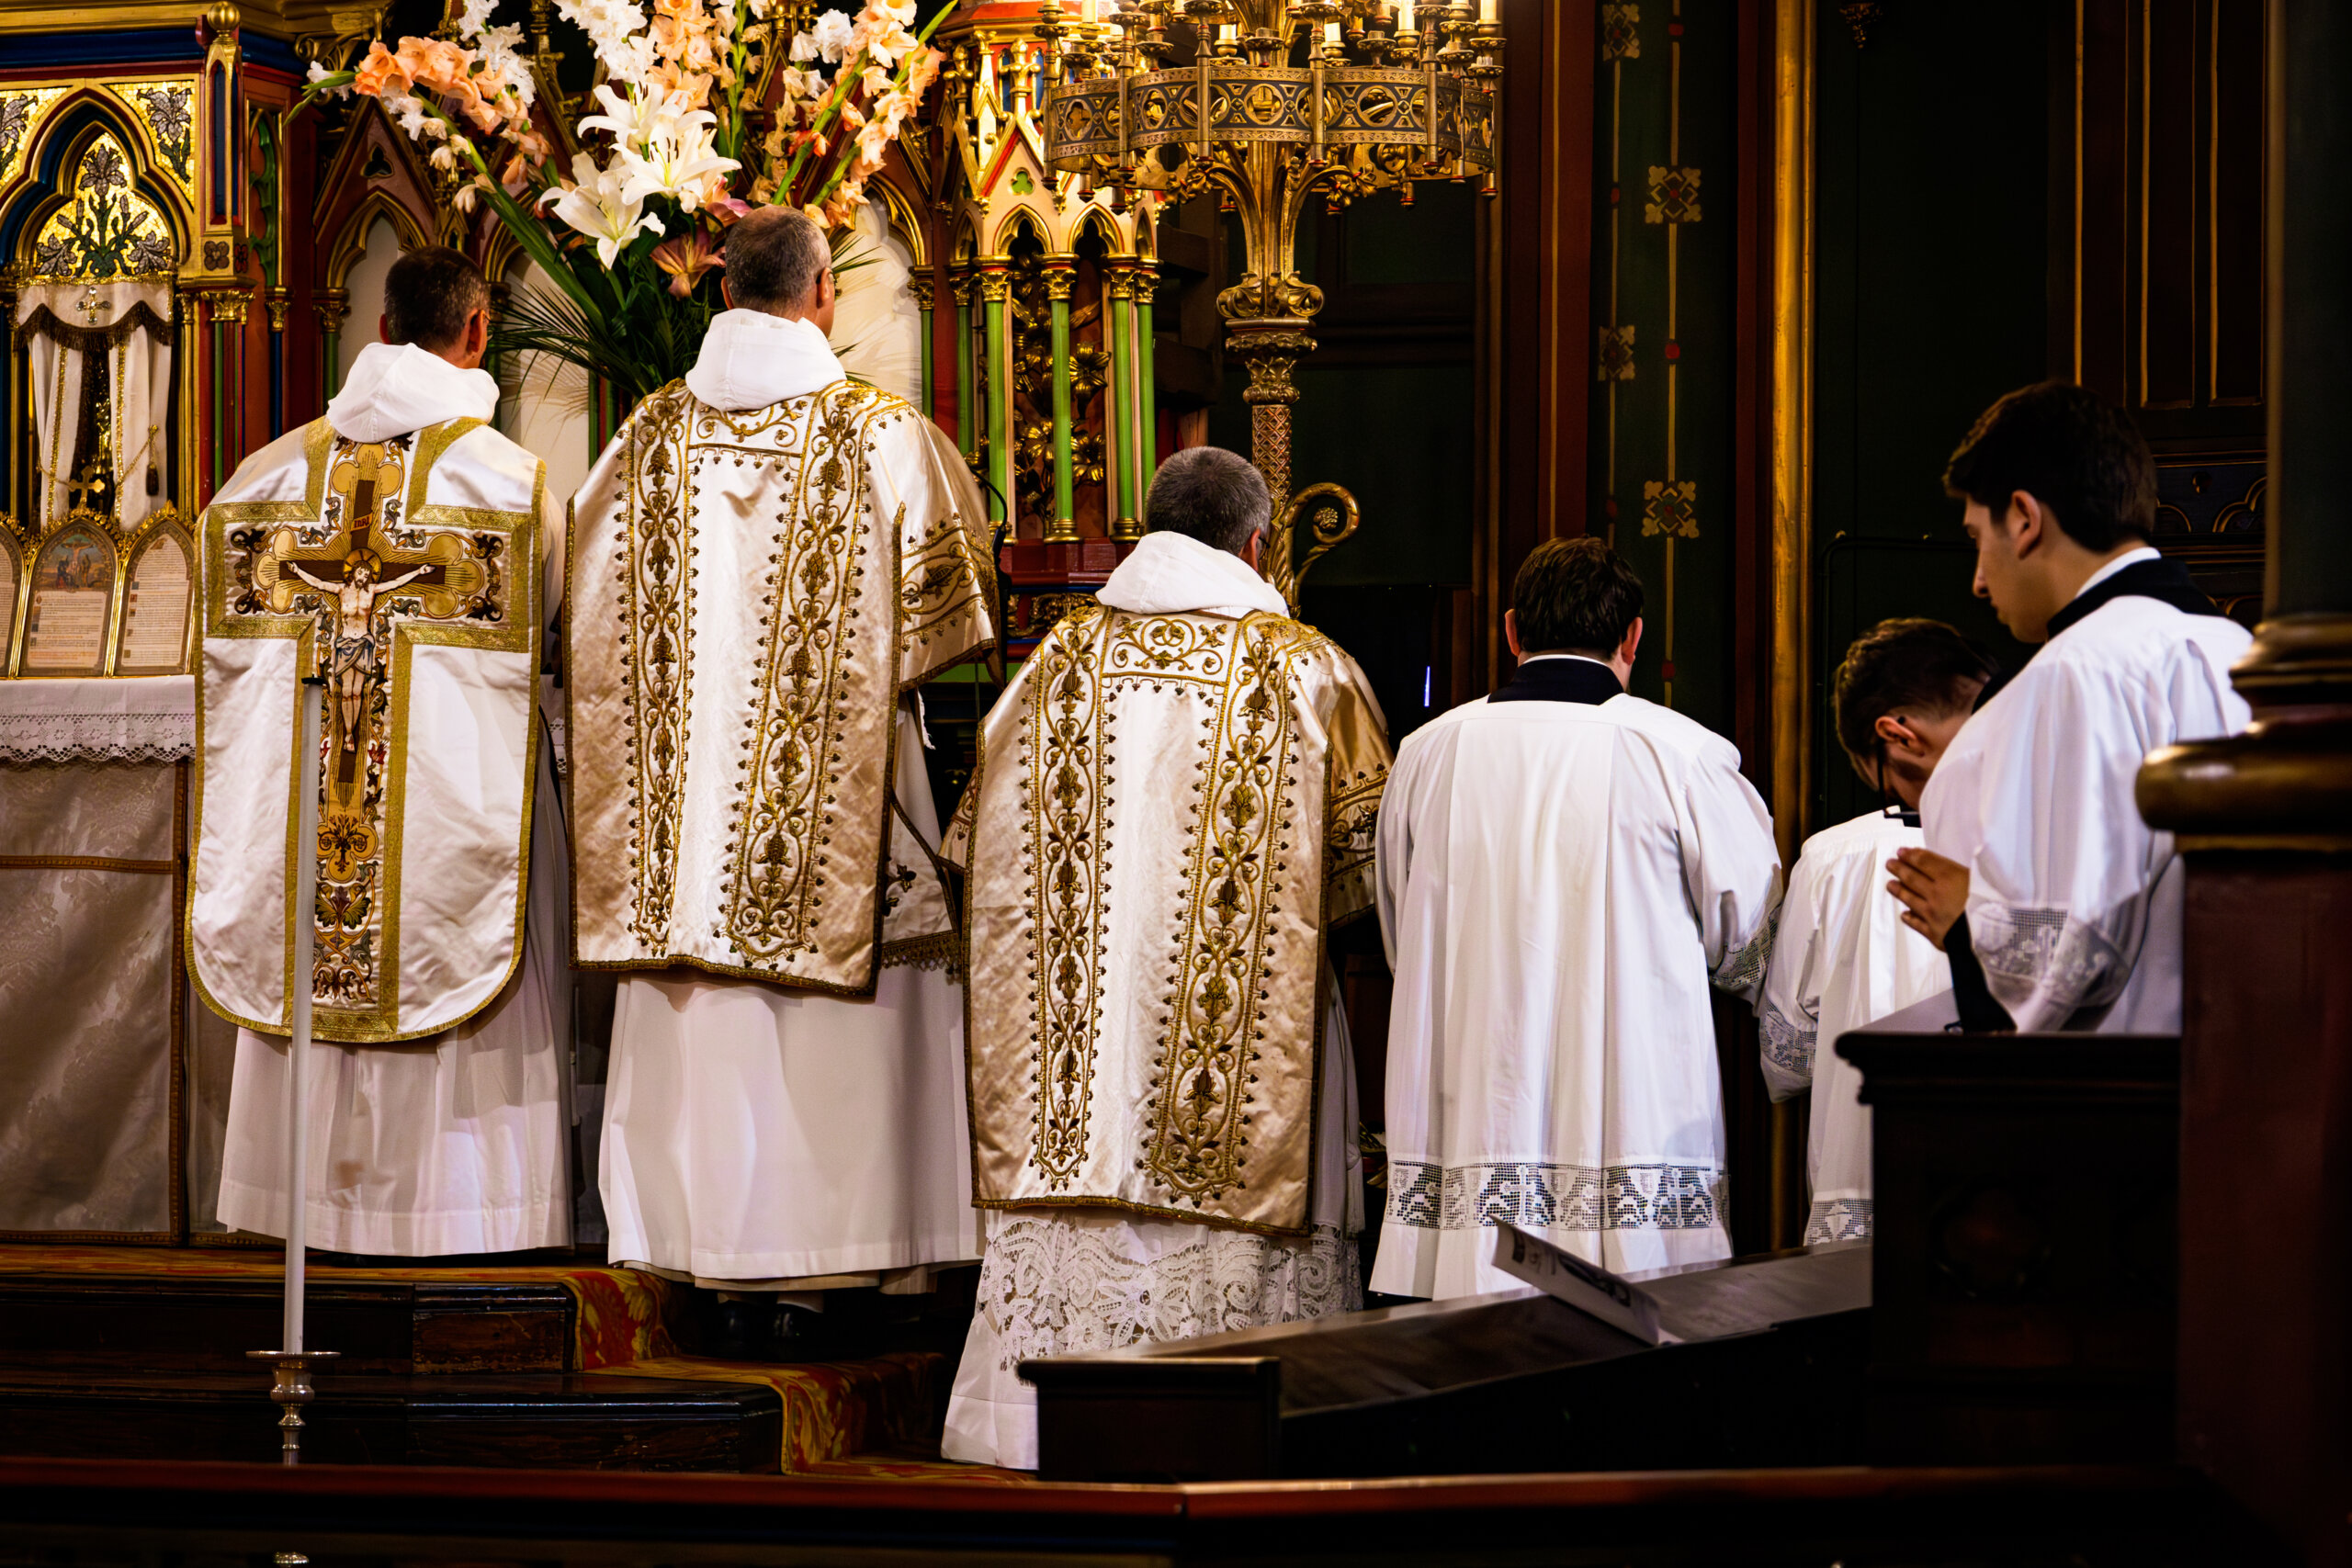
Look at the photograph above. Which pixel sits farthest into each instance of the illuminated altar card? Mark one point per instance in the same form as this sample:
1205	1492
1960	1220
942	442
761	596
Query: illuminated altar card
10	564
65	626
156	607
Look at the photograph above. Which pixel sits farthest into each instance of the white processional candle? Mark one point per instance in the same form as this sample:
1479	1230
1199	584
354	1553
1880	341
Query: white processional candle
1330	34
1486	10
1086	12
1404	16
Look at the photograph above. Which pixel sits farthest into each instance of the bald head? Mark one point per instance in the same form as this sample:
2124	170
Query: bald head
778	262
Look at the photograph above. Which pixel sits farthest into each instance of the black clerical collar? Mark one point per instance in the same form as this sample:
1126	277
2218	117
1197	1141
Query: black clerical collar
1564	679
2159	578
1895	811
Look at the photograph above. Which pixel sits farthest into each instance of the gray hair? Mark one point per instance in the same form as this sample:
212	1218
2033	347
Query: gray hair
774	256
1210	494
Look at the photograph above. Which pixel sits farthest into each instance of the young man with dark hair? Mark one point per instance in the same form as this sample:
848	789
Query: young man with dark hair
2057	905
419	551
1843	957
1564	871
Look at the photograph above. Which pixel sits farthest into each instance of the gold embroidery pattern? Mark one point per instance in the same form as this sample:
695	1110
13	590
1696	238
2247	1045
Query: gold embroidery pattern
1182	646
1198	1142
1067	818
655	614
1351	813
779	866
361	574
939	589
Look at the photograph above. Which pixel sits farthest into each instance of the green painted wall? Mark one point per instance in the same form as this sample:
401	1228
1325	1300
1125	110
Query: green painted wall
1665	235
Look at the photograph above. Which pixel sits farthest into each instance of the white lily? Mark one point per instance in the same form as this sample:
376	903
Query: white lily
678	160
599	205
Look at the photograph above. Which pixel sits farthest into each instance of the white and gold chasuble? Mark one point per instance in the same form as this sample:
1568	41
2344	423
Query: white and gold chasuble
1170	811
405	571
753	592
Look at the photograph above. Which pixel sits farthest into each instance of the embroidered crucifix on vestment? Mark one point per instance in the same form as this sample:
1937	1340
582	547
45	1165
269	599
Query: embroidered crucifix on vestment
442	576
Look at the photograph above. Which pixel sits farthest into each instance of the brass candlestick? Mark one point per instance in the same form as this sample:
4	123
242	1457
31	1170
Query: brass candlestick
291	1393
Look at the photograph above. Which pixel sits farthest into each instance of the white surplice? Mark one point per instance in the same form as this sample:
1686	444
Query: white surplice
1843	959
457	1142
1559	883
2074	901
758	1137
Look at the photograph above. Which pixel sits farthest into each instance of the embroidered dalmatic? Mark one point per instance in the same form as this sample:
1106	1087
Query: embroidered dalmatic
752	592
1174	805
398	553
771	559
1169	813
1843	958
1563	872
2074	901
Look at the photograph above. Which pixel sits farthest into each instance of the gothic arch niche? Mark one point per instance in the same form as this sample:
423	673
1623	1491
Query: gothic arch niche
97	234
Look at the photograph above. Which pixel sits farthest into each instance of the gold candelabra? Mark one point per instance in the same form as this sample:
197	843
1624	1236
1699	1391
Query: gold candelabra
1279	101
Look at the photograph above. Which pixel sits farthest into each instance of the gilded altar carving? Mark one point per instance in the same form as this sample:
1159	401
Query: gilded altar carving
106	229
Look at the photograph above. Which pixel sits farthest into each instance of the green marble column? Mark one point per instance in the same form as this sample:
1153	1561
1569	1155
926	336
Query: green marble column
995	298
1146	285
1061	271
1123	393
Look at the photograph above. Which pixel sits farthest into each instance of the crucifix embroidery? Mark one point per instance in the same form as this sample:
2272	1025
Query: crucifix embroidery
375	571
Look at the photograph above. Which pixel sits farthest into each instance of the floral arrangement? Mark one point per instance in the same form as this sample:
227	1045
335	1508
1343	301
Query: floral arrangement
702	111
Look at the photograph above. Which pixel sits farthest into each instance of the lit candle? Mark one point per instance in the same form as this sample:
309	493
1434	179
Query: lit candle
1330	34
1086	11
1486	10
1404	16
1226	32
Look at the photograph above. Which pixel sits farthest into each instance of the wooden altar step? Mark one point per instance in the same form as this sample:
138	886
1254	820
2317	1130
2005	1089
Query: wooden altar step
529	1420
200	1309
164	1323
140	1352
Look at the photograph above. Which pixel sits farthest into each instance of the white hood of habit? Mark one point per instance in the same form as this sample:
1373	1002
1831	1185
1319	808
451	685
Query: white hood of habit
750	360
1173	574
392	391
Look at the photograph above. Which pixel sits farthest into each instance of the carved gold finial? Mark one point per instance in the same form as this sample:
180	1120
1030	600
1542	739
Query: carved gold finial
222	17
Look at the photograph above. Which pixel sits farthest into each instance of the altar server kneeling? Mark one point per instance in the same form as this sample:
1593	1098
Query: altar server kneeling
2059	907
1843	957
1174	806
1564	869
405	552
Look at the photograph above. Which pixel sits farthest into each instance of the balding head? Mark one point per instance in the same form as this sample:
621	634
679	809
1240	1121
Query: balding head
779	262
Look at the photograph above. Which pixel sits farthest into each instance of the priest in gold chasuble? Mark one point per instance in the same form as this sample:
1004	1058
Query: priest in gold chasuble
771	560
398	548
1174	804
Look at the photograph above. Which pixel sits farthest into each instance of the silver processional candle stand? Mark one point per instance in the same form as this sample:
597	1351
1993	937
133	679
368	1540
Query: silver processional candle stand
292	1389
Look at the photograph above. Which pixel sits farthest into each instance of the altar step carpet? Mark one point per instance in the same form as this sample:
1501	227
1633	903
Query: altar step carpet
138	1352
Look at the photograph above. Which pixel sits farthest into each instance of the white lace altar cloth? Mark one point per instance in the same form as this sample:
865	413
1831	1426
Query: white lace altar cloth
142	718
